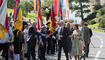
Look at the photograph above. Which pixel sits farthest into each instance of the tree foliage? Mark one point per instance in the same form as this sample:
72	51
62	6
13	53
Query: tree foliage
80	7
27	7
11	4
97	6
46	5
102	23
101	12
91	16
93	21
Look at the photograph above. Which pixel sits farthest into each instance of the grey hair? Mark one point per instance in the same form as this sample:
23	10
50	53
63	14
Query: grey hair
62	22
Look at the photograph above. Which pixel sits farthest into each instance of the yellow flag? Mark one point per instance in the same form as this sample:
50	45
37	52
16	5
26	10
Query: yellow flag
67	3
19	21
3	32
35	4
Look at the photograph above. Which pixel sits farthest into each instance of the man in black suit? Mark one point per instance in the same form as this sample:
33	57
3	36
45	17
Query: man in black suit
62	41
48	39
32	42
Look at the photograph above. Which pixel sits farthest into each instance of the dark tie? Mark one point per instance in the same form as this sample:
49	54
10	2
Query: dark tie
61	30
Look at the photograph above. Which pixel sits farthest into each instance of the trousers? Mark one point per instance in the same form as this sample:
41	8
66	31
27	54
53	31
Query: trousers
63	45
31	51
5	48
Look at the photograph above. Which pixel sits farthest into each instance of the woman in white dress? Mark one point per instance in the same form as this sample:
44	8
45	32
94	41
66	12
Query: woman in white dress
76	51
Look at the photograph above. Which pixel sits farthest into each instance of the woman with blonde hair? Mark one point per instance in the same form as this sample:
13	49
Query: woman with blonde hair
69	37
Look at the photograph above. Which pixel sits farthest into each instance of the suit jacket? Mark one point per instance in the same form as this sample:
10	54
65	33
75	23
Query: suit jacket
85	33
64	33
33	35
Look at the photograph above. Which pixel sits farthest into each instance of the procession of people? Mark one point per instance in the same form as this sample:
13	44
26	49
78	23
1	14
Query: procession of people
26	39
73	38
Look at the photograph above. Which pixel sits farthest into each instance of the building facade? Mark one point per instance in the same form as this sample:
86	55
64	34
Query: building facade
93	2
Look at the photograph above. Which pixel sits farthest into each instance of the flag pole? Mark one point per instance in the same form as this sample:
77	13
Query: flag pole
35	16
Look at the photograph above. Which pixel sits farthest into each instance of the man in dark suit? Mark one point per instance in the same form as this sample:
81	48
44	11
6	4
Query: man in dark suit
48	39
62	41
32	42
86	37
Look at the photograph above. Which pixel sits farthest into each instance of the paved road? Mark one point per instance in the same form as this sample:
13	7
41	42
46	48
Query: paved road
97	52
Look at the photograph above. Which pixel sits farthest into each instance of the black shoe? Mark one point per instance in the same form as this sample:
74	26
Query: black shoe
70	57
52	52
67	59
45	59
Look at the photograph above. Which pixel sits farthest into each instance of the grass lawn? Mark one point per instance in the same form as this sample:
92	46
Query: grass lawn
95	27
30	15
10	10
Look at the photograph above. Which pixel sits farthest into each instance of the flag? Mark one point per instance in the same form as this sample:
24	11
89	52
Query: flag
55	7
18	15
35	4
15	9
40	21
68	12
4	24
67	3
53	20
60	7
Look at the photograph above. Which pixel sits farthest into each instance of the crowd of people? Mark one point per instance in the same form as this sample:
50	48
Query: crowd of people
73	38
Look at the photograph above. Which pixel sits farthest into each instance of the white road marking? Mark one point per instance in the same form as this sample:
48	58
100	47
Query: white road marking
101	46
99	52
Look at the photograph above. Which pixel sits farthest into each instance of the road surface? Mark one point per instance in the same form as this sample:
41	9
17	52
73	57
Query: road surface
97	52
97	48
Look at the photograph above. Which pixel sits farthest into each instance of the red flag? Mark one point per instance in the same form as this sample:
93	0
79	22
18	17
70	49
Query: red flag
40	21
55	7
6	22
1	2
53	20
15	9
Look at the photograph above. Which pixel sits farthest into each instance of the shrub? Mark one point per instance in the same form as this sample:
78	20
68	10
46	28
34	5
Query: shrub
101	12
102	23
97	6
92	21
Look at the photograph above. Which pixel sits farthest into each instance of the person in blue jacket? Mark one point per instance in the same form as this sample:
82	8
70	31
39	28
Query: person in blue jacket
42	44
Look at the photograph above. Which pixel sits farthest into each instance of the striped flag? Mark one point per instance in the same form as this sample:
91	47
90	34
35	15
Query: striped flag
4	25
40	21
15	9
18	15
53	20
60	9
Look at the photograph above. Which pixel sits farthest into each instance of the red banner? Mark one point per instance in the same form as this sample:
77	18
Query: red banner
1	2
40	21
55	7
